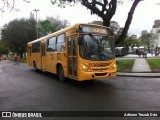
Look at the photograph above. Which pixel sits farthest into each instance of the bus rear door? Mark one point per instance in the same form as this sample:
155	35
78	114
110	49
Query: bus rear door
43	57
72	57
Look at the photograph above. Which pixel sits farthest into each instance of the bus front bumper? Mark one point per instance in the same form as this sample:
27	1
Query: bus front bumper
95	75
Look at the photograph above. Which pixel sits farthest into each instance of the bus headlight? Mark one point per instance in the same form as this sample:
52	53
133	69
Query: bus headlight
114	67
85	67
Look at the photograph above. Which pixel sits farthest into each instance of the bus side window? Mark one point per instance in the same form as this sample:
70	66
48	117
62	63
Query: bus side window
61	43
36	47
51	44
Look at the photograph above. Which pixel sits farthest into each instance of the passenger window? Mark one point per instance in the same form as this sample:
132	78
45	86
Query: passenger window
51	44
61	43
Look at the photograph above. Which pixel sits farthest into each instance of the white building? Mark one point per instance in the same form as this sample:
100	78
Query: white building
156	31
156	40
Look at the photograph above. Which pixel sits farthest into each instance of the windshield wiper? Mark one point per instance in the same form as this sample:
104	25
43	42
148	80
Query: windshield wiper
97	42
93	38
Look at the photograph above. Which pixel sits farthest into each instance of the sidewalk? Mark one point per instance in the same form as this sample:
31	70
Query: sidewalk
140	68
141	65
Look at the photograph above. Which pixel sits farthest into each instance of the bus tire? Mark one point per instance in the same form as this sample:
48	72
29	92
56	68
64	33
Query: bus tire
61	76
34	66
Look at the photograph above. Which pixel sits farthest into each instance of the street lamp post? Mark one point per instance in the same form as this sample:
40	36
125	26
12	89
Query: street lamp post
36	10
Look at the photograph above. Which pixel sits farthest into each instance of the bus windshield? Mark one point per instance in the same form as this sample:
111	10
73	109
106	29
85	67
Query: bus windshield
96	47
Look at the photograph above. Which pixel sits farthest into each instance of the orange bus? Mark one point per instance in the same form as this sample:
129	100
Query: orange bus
80	52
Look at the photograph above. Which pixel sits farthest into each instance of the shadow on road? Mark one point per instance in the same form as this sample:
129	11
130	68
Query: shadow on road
94	85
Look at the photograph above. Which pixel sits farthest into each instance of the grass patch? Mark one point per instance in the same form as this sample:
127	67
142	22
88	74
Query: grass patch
23	60
154	64
125	65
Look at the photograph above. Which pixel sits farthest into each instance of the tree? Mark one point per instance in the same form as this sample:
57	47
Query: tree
18	33
3	47
44	28
57	23
132	42
115	27
104	9
128	22
51	25
148	40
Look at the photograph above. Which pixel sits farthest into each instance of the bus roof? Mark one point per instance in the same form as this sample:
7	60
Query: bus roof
75	26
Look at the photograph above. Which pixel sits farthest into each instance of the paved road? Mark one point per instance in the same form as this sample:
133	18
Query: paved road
22	89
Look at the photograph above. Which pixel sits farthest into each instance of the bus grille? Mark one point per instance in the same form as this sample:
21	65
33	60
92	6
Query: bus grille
99	69
96	64
100	74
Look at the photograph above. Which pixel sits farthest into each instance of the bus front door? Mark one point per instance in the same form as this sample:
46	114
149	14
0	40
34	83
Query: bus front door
43	57
72	57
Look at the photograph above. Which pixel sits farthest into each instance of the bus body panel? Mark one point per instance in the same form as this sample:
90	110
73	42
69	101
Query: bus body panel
51	60
70	60
36	57
96	69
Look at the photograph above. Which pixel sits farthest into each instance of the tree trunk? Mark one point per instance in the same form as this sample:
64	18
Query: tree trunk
106	22
127	24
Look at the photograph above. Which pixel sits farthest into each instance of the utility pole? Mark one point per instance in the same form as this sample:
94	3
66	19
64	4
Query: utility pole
36	10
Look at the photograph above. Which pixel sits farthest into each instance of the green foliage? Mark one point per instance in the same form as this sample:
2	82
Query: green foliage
51	25
23	60
57	23
125	65
3	46
130	41
45	28
154	64
18	33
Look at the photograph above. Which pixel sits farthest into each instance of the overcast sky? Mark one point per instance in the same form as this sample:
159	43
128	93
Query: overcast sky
146	12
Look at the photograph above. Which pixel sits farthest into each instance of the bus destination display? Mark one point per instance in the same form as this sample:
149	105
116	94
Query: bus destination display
93	29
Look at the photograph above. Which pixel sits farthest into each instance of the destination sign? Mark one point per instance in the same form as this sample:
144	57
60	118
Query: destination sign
93	29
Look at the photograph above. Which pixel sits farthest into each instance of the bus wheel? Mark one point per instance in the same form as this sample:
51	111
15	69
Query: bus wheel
61	73
34	66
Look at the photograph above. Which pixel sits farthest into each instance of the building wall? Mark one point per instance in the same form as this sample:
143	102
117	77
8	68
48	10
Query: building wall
156	31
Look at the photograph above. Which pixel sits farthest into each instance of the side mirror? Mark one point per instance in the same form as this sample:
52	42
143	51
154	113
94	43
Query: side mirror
80	40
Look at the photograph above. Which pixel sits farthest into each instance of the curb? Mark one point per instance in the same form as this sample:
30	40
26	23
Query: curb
153	75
